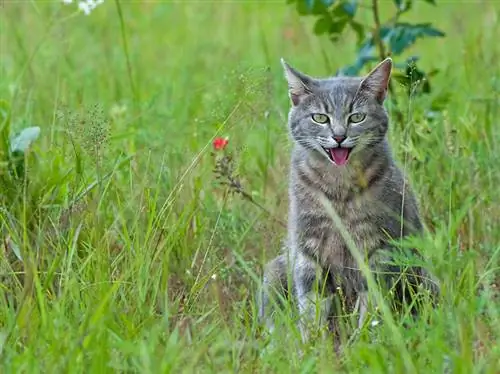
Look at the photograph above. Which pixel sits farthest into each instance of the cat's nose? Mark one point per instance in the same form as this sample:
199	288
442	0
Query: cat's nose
339	139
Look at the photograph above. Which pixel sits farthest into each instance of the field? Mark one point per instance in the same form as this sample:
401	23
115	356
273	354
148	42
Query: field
122	252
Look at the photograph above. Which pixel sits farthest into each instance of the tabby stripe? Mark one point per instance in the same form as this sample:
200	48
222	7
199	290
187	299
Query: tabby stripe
376	177
308	181
361	220
314	218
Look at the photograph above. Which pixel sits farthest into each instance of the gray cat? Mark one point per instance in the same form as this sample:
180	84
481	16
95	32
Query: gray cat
342	164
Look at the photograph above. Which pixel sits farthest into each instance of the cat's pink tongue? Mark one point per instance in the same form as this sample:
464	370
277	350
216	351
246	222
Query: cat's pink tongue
339	155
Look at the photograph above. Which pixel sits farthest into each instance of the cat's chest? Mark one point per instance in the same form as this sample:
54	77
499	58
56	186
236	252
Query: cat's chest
348	207
347	198
331	213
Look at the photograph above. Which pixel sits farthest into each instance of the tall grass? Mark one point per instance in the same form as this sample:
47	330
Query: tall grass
135	260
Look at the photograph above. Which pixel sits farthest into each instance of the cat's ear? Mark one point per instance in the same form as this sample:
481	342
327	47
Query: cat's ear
298	83
377	81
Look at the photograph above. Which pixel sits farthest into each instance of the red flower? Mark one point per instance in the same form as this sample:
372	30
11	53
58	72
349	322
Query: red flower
220	143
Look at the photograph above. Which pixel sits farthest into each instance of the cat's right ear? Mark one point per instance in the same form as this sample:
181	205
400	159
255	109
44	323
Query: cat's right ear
377	81
298	83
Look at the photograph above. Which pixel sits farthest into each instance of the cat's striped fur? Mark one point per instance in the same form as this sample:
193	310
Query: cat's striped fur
369	193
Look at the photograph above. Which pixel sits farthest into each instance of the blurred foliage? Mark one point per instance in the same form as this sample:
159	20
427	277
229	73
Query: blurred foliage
376	40
13	154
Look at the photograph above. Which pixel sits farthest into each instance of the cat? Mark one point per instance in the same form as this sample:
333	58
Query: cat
341	161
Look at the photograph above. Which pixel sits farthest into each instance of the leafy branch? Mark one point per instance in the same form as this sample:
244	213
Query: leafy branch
376	40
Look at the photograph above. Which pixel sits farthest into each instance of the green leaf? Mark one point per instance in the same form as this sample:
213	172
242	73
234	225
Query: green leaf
404	35
415	80
322	25
401	78
385	33
336	29
441	101
432	72
365	55
14	248
350	8
399	3
366	48
433	2
316	7
403	5
355	69
345	10
340	16
312	3
408	61
23	140
359	29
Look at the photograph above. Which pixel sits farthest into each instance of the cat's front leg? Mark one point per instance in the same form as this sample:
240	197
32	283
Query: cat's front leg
362	307
403	281
274	285
314	300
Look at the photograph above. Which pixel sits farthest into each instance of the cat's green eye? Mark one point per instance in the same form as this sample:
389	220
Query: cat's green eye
357	117
320	118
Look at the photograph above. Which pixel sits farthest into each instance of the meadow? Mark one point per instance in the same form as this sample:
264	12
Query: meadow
122	252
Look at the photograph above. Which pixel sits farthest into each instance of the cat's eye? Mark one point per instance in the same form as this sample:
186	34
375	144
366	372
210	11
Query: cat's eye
320	118
357	117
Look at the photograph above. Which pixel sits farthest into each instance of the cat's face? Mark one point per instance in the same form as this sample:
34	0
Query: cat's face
338	117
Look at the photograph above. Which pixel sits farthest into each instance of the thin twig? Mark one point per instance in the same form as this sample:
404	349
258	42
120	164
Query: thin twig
376	36
133	88
236	186
383	53
224	170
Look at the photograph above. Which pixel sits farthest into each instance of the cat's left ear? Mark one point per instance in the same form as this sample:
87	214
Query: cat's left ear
377	81
299	84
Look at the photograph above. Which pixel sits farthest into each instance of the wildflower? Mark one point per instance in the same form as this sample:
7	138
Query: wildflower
220	143
86	6
375	323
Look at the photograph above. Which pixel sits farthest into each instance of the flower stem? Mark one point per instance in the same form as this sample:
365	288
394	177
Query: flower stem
125	50
236	186
383	54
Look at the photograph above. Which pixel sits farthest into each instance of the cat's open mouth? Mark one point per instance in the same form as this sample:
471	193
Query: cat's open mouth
338	156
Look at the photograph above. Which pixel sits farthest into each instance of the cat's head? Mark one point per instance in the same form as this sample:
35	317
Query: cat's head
338	117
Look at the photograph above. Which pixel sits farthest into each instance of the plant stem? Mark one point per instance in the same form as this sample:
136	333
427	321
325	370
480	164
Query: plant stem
376	37
383	54
126	52
235	185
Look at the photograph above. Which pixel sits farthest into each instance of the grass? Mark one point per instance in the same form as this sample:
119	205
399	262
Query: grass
135	260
